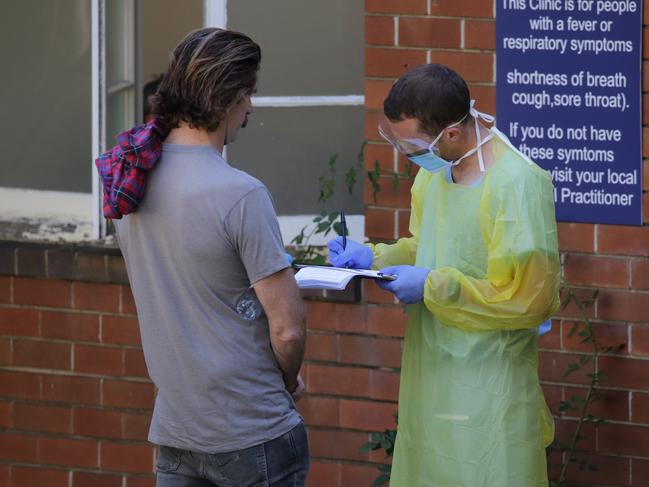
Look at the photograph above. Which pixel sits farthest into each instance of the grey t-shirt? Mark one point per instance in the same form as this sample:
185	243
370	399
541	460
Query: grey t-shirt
203	233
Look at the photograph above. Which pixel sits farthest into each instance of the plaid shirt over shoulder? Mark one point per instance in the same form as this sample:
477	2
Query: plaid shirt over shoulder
125	167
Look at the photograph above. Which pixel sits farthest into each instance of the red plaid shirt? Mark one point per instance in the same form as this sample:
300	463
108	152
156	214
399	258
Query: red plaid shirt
125	167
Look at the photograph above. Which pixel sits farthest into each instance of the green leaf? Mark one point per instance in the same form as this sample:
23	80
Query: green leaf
381	480
319	260
361	152
395	181
351	177
577	400
566	406
366	448
408	168
572	368
584	359
374	176
322	226
332	163
573	329
299	238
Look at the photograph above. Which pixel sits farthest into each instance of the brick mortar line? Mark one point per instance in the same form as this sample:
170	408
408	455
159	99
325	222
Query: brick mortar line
82	311
608	355
72	406
74	469
327	395
73	437
99	407
73	373
612	256
382	368
46	434
586	287
620	356
617	389
347	461
363	334
354	366
608	422
71	342
456	50
429	16
407	47
384	78
85	375
586	387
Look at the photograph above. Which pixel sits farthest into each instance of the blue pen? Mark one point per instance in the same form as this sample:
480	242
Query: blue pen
343	228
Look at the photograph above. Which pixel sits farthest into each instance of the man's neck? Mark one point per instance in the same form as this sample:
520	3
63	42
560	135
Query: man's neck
185	135
468	170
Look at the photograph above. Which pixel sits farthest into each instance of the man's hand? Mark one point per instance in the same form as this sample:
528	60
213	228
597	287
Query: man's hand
281	300
353	256
409	284
299	389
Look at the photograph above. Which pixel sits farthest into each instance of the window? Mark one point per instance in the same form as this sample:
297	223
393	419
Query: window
77	81
45	99
308	108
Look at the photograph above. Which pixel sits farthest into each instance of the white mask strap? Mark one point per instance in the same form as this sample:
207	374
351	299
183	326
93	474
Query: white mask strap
487	118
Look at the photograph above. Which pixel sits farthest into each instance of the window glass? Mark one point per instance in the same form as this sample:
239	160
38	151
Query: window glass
289	148
120	67
46	95
308	47
164	24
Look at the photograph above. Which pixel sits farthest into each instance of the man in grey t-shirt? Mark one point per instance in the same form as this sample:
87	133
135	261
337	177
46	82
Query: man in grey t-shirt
204	233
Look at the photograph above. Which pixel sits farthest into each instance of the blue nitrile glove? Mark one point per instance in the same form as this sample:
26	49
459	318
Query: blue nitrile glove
545	327
409	284
354	256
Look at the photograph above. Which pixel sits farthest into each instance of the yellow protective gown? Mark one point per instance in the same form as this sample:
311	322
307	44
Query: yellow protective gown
471	410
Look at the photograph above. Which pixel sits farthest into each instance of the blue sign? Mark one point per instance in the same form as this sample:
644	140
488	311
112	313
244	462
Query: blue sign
568	94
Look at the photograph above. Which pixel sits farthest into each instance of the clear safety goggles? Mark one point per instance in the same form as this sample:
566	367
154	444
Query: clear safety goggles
404	146
419	146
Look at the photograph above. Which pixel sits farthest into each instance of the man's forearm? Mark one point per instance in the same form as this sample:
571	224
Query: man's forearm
289	353
283	304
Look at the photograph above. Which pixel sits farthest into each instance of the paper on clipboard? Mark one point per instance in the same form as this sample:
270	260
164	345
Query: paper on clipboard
321	277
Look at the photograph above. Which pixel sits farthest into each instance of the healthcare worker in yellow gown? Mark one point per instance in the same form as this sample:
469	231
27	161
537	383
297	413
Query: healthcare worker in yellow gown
479	273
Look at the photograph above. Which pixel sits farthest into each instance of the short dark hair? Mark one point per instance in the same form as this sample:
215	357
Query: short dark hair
434	94
210	71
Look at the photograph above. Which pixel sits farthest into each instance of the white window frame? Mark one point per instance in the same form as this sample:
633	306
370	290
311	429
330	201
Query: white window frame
101	91
98	48
216	15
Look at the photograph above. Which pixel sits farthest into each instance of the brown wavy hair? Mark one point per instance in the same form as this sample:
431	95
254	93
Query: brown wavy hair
209	72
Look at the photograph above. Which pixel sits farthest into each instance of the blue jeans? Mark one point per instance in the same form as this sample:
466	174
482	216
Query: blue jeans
282	462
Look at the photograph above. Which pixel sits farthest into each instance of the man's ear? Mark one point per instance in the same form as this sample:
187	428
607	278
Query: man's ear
453	134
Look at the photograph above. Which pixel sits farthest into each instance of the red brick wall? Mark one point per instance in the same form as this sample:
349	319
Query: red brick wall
461	33
75	399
